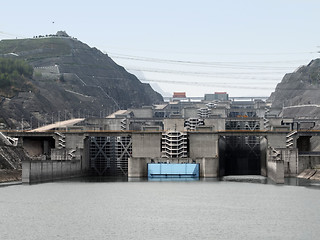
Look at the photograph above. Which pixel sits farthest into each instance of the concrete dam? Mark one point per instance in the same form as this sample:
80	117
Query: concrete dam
128	154
220	138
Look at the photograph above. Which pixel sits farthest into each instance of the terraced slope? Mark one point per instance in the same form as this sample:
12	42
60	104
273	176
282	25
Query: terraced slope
71	79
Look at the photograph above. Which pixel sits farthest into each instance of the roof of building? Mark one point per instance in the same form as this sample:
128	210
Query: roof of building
61	124
179	95
160	107
119	112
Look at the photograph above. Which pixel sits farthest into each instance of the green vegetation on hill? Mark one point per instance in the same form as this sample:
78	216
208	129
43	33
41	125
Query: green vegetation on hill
69	76
15	76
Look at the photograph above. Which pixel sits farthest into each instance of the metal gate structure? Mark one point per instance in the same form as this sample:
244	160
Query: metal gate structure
108	155
239	155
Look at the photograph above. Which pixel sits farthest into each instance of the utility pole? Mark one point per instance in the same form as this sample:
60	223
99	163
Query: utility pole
31	122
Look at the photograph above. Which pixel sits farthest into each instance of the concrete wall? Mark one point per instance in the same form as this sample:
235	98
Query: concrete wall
263	156
261	124
276	171
290	159
277	140
44	171
275	121
203	145
219	111
275	168
260	112
174	124
190	112
315	143
105	124
74	140
138	167
33	147
145	112
218	123
66	154
146	145
307	161
209	167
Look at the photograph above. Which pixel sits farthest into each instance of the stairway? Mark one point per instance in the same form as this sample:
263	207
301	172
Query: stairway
62	140
265	120
276	154
289	139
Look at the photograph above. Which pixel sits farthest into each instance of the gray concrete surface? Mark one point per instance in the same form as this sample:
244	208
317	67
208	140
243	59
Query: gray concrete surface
246	178
45	171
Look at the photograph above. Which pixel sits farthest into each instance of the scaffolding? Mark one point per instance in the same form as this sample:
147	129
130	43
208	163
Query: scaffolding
109	155
242	125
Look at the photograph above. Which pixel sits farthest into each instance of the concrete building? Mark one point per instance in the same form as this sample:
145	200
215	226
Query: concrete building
227	138
217	96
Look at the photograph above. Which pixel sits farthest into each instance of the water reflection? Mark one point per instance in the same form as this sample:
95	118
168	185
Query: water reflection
302	182
292	181
173	179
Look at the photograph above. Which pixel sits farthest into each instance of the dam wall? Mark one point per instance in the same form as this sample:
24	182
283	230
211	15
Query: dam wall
36	171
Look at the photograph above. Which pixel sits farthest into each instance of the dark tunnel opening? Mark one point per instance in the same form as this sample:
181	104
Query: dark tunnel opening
239	155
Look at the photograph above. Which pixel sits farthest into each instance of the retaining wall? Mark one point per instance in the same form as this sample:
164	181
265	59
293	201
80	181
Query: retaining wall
36	171
308	161
276	170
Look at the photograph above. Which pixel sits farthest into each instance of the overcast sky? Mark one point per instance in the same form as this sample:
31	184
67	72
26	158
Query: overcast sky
242	47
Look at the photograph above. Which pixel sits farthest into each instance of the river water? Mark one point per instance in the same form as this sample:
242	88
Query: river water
159	210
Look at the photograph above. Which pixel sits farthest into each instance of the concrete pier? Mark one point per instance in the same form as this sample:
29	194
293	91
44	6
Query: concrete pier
246	178
276	170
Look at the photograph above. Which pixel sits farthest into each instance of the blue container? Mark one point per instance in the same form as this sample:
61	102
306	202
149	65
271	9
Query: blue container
180	170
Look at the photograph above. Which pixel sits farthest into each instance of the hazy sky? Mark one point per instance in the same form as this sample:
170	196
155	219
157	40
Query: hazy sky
239	46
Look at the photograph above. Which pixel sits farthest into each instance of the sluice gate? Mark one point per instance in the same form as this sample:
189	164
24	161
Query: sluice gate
172	170
108	155
239	155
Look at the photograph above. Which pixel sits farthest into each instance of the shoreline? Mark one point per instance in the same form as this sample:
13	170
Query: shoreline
10	176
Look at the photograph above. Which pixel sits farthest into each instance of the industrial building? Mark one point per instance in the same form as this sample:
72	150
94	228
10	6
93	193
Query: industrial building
218	136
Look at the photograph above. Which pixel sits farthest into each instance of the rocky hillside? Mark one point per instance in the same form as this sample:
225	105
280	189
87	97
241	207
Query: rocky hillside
301	87
70	79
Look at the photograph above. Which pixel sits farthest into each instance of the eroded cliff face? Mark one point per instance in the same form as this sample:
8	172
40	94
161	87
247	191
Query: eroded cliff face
299	88
70	79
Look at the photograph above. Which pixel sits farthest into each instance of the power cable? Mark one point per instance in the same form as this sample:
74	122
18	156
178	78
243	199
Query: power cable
233	65
201	74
